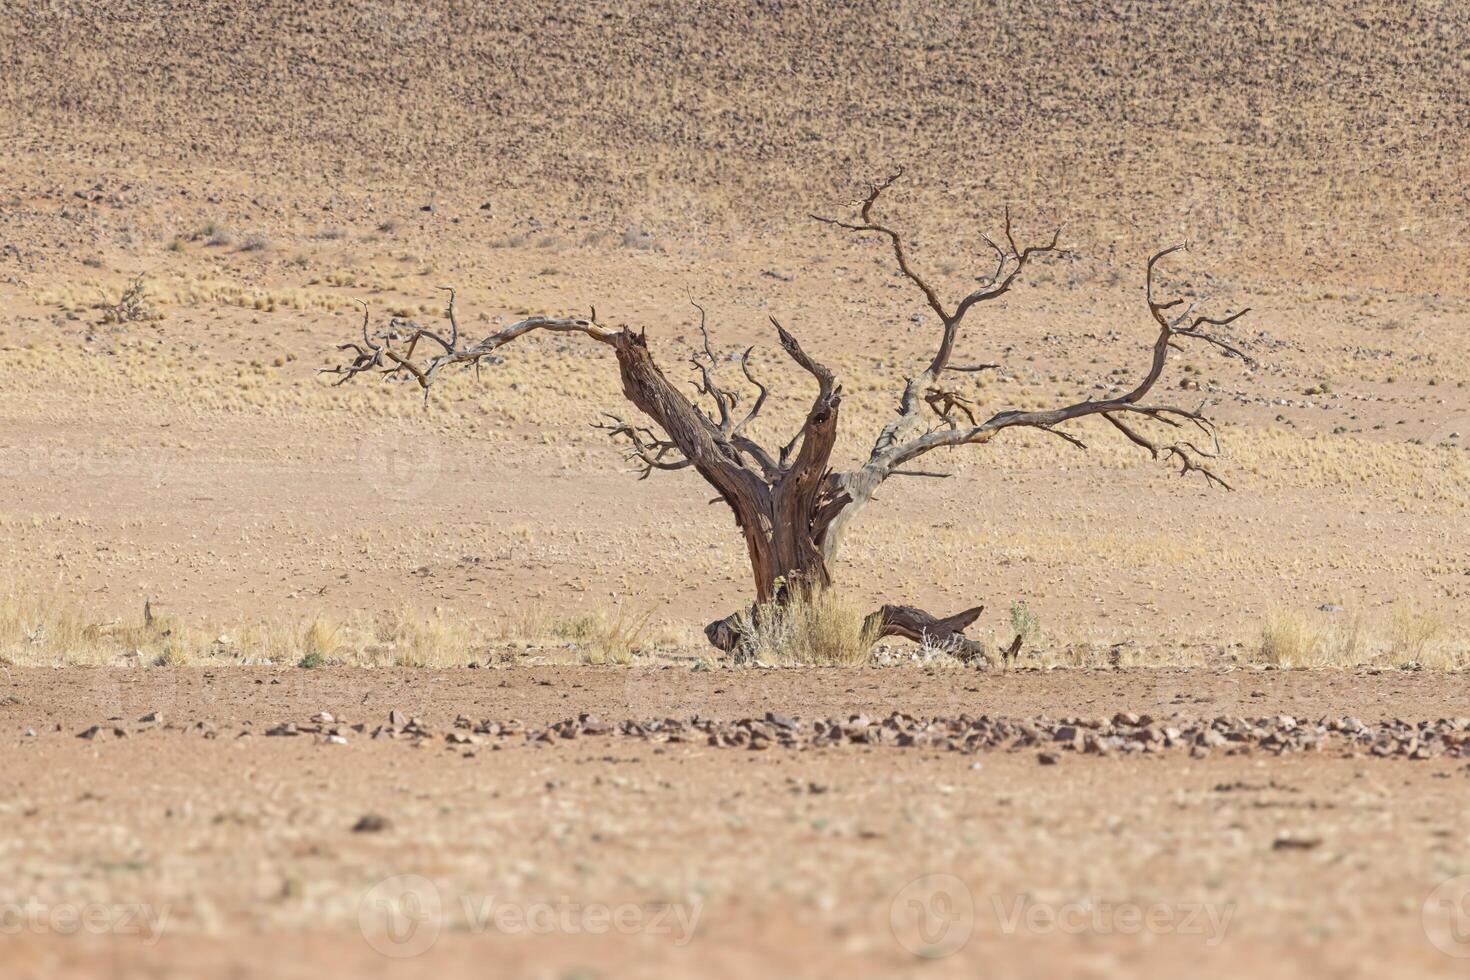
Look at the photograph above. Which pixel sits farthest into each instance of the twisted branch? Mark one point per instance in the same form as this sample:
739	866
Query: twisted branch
643	446
1187	454
1010	262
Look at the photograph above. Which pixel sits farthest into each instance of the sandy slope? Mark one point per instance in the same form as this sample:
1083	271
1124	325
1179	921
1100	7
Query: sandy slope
1319	137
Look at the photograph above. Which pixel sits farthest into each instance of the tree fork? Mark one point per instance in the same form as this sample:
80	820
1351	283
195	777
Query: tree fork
790	505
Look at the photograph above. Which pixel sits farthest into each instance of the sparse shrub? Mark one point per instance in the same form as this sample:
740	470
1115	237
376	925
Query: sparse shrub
255	242
215	234
133	306
635	237
1023	621
312	660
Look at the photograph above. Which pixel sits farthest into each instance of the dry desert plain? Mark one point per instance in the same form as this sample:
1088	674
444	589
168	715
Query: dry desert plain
301	678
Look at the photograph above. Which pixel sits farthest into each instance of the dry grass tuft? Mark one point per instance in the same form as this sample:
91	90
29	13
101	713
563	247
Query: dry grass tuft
605	637
174	654
824	628
322	642
1289	639
414	641
1416	637
47	629
1407	635
814	627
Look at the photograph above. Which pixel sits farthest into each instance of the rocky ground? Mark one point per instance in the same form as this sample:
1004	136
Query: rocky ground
885	820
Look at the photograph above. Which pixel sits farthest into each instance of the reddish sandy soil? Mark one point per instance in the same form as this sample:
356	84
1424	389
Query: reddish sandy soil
259	169
792	861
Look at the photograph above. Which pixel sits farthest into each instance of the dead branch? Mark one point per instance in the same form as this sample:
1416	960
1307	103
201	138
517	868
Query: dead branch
790	504
944	402
1010	262
643	446
1187	454
900	441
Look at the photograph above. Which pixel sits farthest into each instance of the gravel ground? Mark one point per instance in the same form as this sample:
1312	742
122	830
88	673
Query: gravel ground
1247	820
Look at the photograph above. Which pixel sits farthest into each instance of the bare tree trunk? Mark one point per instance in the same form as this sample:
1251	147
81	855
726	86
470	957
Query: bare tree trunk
797	556
791	507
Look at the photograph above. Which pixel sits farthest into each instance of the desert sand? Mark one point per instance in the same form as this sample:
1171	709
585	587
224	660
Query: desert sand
198	197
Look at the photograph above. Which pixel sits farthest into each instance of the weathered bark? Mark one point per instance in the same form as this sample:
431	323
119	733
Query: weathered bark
908	622
922	627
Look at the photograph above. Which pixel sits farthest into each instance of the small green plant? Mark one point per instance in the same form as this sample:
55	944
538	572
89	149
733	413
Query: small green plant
1023	620
312	660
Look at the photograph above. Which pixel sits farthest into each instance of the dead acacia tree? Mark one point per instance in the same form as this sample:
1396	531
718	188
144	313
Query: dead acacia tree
791	505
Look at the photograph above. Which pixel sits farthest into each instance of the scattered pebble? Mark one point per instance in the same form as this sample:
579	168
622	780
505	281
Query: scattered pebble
370	823
1126	733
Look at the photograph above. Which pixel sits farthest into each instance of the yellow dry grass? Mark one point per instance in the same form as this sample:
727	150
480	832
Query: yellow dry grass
1406	635
43	629
814	627
615	635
